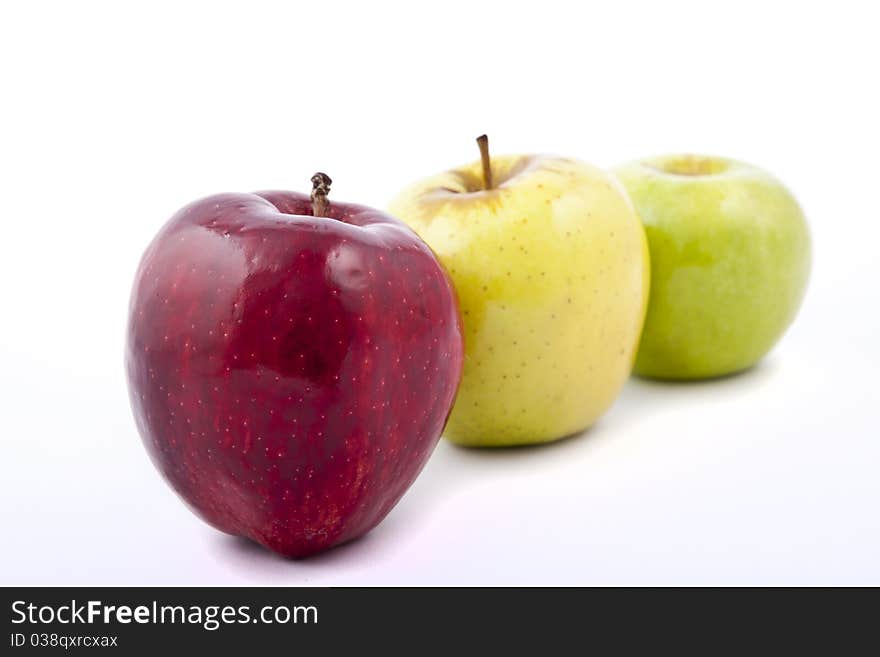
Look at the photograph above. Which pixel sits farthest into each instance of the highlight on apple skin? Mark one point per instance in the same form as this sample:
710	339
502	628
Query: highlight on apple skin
730	261
550	263
290	374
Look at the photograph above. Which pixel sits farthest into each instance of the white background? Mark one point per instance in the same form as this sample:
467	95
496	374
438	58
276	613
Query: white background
113	117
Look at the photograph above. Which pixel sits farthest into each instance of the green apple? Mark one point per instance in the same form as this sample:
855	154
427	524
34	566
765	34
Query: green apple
550	264
730	258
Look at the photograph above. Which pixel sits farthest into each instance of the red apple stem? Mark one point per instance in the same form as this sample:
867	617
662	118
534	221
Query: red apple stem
320	188
483	143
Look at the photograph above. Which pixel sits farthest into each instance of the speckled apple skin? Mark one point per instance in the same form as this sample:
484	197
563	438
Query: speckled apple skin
551	269
291	375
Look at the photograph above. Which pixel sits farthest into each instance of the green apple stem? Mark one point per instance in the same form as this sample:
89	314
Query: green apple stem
320	188
483	143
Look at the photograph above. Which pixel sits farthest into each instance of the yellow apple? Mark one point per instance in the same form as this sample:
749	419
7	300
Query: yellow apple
550	263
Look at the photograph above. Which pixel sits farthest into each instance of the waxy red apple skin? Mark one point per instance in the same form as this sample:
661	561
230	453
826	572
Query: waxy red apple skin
290	375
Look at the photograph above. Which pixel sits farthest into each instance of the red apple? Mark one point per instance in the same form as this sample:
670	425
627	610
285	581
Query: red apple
290	374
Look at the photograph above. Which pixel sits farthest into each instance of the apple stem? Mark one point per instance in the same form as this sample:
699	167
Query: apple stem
320	188
483	143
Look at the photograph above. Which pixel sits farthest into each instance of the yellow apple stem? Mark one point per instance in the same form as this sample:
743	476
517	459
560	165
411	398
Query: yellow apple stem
483	143
320	188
